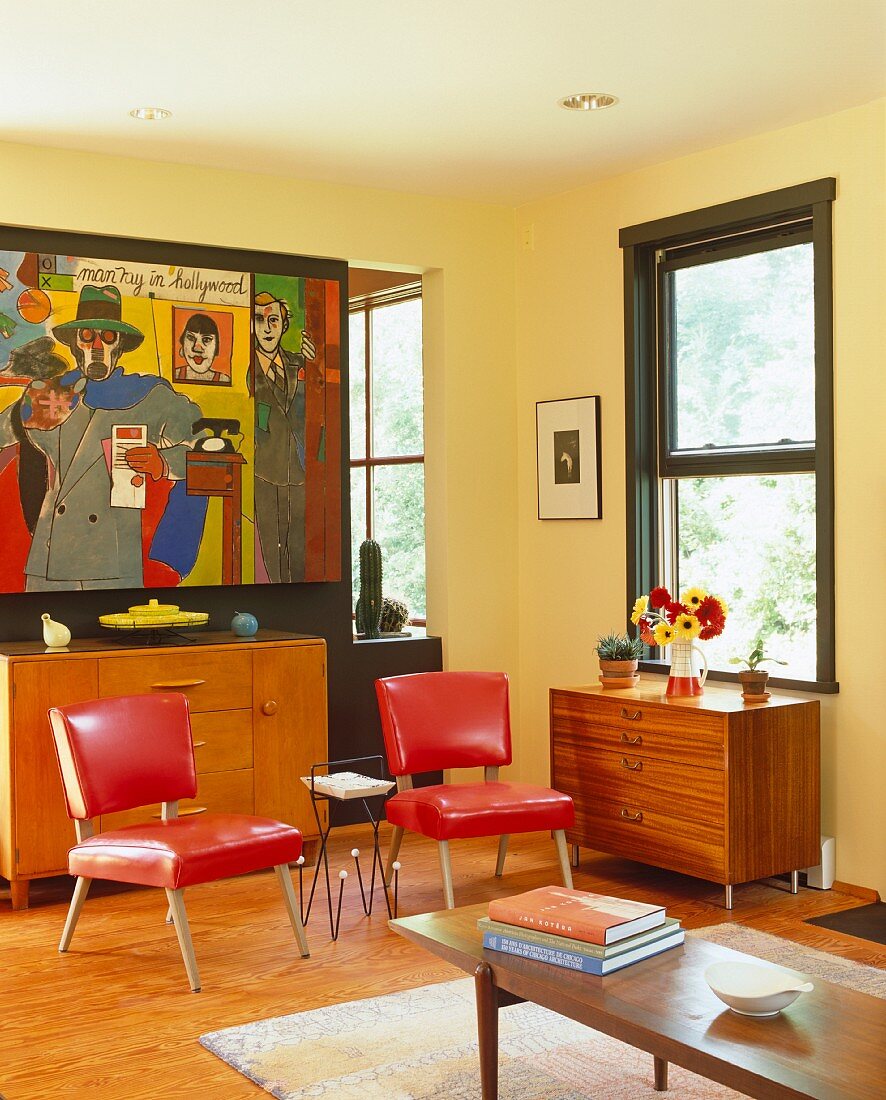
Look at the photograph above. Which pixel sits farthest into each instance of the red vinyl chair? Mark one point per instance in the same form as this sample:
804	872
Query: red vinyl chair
437	720
134	750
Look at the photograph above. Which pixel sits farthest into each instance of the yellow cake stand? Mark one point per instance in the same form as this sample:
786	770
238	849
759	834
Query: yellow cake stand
154	616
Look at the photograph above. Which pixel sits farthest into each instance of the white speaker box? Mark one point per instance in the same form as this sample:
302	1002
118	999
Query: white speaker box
822	877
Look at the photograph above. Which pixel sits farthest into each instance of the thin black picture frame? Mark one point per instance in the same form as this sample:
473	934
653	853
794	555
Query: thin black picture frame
582	498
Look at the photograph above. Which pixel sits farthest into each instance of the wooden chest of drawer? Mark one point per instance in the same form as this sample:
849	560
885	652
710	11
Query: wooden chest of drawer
706	786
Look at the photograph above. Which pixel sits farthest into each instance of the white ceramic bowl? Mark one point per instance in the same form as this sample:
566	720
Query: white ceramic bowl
754	990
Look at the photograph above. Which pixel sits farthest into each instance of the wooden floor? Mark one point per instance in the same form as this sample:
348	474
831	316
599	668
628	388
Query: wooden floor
115	1019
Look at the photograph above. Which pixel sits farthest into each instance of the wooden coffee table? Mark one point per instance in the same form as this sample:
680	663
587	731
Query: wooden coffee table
830	1044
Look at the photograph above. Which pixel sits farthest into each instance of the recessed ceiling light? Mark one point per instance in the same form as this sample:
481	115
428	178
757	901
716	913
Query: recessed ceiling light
588	101
152	114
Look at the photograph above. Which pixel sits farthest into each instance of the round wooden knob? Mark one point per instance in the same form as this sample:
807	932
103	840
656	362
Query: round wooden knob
269	707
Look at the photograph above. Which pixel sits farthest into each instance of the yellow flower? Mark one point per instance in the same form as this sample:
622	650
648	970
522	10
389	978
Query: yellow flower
692	597
723	604
664	634
686	627
639	608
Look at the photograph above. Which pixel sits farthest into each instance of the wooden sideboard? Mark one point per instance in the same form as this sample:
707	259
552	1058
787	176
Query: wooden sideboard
708	786
258	718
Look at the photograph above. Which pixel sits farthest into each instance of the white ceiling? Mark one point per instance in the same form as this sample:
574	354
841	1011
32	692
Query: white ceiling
446	97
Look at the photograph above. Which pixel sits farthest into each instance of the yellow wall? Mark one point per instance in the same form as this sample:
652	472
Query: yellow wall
570	343
497	576
465	251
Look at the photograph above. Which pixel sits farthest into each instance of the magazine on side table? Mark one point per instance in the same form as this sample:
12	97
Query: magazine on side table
345	785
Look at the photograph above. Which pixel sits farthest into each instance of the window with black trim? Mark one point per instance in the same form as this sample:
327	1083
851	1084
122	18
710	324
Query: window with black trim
387	440
730	422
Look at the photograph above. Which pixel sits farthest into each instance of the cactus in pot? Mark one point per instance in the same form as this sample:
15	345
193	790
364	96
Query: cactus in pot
394	615
369	602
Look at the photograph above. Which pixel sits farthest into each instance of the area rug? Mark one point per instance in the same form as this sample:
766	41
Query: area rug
421	1044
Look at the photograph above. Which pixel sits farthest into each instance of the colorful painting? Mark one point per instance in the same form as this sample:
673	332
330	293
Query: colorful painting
164	425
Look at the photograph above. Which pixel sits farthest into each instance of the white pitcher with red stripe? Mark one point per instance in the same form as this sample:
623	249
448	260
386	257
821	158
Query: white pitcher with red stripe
684	678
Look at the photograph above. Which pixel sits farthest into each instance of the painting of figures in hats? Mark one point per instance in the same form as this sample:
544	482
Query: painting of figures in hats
163	425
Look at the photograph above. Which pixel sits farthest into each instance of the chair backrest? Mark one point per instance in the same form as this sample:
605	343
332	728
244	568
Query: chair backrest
436	720
132	750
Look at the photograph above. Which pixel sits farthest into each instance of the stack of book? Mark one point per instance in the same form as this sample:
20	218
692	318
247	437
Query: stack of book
578	930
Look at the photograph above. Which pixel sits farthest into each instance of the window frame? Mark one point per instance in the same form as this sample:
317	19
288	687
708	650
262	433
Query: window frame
367	304
762	221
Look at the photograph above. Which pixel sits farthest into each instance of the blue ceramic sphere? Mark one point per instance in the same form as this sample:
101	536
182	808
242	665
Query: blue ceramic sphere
243	624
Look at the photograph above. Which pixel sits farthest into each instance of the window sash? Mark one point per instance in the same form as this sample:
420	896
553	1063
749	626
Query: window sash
366	305
673	461
648	464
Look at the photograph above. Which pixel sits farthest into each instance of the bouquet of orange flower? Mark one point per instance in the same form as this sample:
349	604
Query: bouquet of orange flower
663	620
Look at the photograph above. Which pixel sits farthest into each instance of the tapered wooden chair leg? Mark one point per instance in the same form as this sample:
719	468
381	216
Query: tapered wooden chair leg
502	852
183	931
393	852
563	856
291	902
81	889
446	871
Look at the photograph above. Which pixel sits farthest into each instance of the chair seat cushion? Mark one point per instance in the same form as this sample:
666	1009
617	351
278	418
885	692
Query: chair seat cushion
461	810
186	850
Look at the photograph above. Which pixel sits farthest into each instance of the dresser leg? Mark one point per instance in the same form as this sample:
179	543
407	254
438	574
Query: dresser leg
575	854
728	897
795	882
18	893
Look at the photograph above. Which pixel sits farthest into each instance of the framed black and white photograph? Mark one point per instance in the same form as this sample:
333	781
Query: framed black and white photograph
568	443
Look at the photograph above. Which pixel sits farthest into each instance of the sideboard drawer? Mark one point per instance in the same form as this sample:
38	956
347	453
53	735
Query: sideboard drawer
639	831
222	740
219	680
218	792
679	789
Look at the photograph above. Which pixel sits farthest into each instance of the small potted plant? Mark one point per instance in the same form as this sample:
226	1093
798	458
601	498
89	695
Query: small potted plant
619	654
753	679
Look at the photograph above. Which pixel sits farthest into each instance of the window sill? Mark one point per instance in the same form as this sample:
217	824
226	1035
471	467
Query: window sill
819	687
412	634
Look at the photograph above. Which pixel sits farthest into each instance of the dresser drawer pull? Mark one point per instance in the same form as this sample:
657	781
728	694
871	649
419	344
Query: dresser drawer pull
178	684
631	717
638	740
638	816
269	707
199	744
638	767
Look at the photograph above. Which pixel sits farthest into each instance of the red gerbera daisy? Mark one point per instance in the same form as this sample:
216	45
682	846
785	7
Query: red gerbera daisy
660	596
673	609
710	614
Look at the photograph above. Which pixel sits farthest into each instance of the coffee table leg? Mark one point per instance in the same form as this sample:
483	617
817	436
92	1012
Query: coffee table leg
661	1074
487	1030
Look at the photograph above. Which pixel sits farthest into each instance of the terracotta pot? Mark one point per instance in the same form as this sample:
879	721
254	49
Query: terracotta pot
753	682
618	674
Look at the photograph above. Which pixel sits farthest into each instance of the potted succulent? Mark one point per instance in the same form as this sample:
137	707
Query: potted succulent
619	654
753	679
